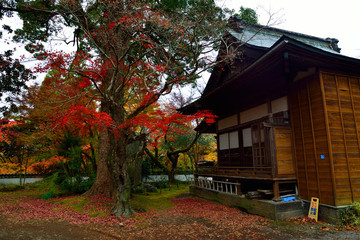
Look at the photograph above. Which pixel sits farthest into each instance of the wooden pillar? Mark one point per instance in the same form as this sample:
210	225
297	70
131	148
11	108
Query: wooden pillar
313	140
238	188
344	139
328	134
276	191
196	181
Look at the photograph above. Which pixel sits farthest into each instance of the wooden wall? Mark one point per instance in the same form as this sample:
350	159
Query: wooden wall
311	149
342	94
283	147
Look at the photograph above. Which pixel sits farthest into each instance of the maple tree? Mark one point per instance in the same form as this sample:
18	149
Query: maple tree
60	146
179	137
204	149
125	49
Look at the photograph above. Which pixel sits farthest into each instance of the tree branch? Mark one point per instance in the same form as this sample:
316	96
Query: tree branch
155	160
188	147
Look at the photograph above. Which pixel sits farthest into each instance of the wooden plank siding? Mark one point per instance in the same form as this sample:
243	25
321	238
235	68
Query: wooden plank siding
311	149
283	146
342	94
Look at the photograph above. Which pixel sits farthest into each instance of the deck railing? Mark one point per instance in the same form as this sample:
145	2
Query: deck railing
235	171
217	186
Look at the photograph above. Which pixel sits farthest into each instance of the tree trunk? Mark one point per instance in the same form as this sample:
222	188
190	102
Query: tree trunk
20	160
134	152
174	161
122	207
118	164
113	177
103	183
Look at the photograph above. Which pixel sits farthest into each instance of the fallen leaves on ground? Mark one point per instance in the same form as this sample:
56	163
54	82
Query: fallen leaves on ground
189	218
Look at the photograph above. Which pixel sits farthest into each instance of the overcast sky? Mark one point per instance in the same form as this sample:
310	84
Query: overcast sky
320	18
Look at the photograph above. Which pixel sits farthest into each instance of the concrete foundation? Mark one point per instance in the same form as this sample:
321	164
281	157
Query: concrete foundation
330	214
265	208
269	208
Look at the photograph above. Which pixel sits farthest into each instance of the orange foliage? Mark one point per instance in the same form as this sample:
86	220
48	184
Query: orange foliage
46	166
9	168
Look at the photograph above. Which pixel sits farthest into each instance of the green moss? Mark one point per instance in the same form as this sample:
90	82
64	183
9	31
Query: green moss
46	185
98	214
77	203
48	195
141	202
157	201
81	204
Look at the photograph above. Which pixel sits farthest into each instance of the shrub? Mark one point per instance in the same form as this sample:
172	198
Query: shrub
77	185
61	184
48	195
351	215
138	189
161	184
146	168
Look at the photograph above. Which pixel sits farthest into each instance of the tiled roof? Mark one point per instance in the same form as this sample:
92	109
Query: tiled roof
263	36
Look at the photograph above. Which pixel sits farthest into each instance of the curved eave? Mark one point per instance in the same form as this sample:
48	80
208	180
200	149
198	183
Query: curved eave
274	68
190	109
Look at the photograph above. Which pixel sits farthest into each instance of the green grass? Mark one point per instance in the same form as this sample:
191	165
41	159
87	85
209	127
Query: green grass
10	187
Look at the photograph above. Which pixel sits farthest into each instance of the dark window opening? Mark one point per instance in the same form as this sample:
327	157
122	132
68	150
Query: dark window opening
247	147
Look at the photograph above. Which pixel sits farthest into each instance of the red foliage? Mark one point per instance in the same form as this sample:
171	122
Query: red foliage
82	118
6	130
303	220
159	122
29	208
80	80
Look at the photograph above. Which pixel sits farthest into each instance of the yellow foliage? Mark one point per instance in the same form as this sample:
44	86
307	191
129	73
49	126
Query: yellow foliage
212	153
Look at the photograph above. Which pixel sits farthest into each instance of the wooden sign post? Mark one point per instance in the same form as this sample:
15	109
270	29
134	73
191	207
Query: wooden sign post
314	208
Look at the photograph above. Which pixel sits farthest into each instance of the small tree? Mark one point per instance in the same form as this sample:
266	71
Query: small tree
178	137
13	76
247	14
15	146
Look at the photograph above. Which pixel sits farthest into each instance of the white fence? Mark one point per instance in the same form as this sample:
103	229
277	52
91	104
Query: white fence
6	181
164	178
